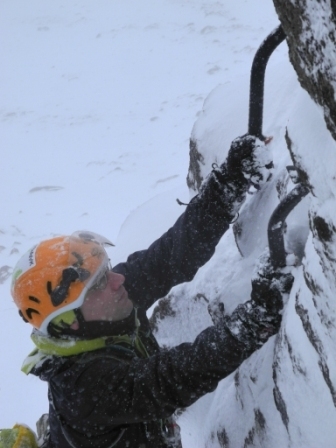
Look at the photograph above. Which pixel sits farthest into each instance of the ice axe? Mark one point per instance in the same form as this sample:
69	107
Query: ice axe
277	220
276	224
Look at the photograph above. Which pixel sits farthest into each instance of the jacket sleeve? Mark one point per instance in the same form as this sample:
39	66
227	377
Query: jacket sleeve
105	393
189	244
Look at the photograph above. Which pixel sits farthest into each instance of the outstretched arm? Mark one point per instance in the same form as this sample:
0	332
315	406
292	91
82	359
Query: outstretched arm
190	243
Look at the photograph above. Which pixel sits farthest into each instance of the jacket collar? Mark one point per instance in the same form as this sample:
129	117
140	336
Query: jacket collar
47	346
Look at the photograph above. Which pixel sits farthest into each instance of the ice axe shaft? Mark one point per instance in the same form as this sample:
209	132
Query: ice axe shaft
277	222
257	81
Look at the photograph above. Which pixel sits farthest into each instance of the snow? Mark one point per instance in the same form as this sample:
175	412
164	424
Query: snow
98	103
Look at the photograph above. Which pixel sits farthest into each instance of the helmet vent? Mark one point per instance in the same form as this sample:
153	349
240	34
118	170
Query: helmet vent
59	294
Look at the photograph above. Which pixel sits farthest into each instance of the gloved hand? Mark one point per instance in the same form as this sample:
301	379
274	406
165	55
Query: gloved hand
249	160
269	286
253	322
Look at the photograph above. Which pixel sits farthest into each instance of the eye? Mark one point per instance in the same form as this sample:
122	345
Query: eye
100	283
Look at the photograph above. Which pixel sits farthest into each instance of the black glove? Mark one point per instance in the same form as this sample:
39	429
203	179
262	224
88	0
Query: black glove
269	286
256	320
249	160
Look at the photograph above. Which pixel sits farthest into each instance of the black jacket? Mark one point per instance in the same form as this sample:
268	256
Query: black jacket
114	397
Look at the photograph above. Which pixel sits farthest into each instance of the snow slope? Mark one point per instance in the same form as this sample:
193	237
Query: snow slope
97	107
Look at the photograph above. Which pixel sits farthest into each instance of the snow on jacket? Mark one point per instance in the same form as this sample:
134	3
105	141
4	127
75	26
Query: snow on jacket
106	399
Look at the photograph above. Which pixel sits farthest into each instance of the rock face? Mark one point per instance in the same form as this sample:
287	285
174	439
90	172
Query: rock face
310	29
284	395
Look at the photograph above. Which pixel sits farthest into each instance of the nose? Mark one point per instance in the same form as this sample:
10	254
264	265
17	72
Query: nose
115	280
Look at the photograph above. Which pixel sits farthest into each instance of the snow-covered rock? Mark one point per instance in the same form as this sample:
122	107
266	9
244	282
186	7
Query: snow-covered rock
284	395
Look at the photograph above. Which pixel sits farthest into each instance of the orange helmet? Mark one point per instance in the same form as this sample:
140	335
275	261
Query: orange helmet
54	276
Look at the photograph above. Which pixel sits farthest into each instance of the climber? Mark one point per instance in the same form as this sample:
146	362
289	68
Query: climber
109	382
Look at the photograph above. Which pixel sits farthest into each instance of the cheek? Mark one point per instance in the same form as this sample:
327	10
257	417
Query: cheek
105	305
94	307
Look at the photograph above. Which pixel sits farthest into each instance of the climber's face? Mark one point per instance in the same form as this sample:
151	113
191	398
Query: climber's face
107	302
